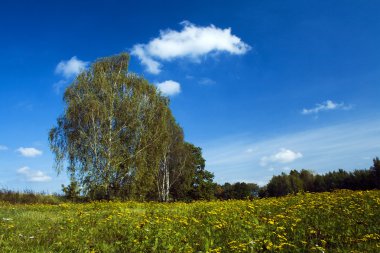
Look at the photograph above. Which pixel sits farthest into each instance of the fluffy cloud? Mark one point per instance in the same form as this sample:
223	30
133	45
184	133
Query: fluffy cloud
283	156
29	152
169	88
33	175
3	148
326	106
71	67
191	42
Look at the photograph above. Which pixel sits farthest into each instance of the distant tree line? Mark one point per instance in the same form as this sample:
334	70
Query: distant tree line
239	190
303	181
307	181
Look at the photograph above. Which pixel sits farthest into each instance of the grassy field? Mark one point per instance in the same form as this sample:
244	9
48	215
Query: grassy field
342	221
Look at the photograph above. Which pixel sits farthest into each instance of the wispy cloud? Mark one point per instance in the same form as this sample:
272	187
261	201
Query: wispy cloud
29	152
33	175
151	65
283	156
322	150
191	42
25	105
169	88
327	105
59	85
3	148
206	81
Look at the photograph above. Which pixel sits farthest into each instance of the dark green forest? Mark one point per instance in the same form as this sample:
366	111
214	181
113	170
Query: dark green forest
304	181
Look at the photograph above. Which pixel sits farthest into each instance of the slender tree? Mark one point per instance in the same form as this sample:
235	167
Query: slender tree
113	134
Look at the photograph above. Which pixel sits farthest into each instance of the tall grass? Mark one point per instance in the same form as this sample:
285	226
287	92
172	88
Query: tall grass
29	197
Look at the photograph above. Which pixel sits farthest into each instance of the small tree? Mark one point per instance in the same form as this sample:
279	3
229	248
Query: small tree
71	191
202	186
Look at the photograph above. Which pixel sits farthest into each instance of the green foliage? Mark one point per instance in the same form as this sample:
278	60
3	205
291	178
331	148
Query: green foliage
307	181
120	139
238	191
28	197
71	191
341	221
111	131
202	185
375	173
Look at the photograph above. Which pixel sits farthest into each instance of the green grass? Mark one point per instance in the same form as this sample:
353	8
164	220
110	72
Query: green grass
342	221
28	197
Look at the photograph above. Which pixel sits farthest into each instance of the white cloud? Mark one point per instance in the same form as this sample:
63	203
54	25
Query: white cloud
151	65
3	148
326	106
71	67
169	88
283	156
29	152
191	42
33	175
68	69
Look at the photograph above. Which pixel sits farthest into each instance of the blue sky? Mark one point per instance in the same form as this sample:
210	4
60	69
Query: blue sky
262	86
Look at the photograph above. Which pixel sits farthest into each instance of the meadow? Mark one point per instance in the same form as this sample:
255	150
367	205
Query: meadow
340	221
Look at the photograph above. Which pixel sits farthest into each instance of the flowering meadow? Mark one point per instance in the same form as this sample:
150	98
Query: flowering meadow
341	221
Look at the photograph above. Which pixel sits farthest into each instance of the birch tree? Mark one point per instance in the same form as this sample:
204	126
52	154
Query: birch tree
173	161
110	135
117	137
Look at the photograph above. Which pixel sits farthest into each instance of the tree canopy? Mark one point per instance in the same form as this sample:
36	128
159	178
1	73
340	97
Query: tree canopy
118	138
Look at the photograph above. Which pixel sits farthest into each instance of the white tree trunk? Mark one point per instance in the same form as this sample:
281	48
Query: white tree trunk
164	180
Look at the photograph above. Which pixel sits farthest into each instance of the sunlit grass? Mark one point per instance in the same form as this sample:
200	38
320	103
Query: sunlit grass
342	221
